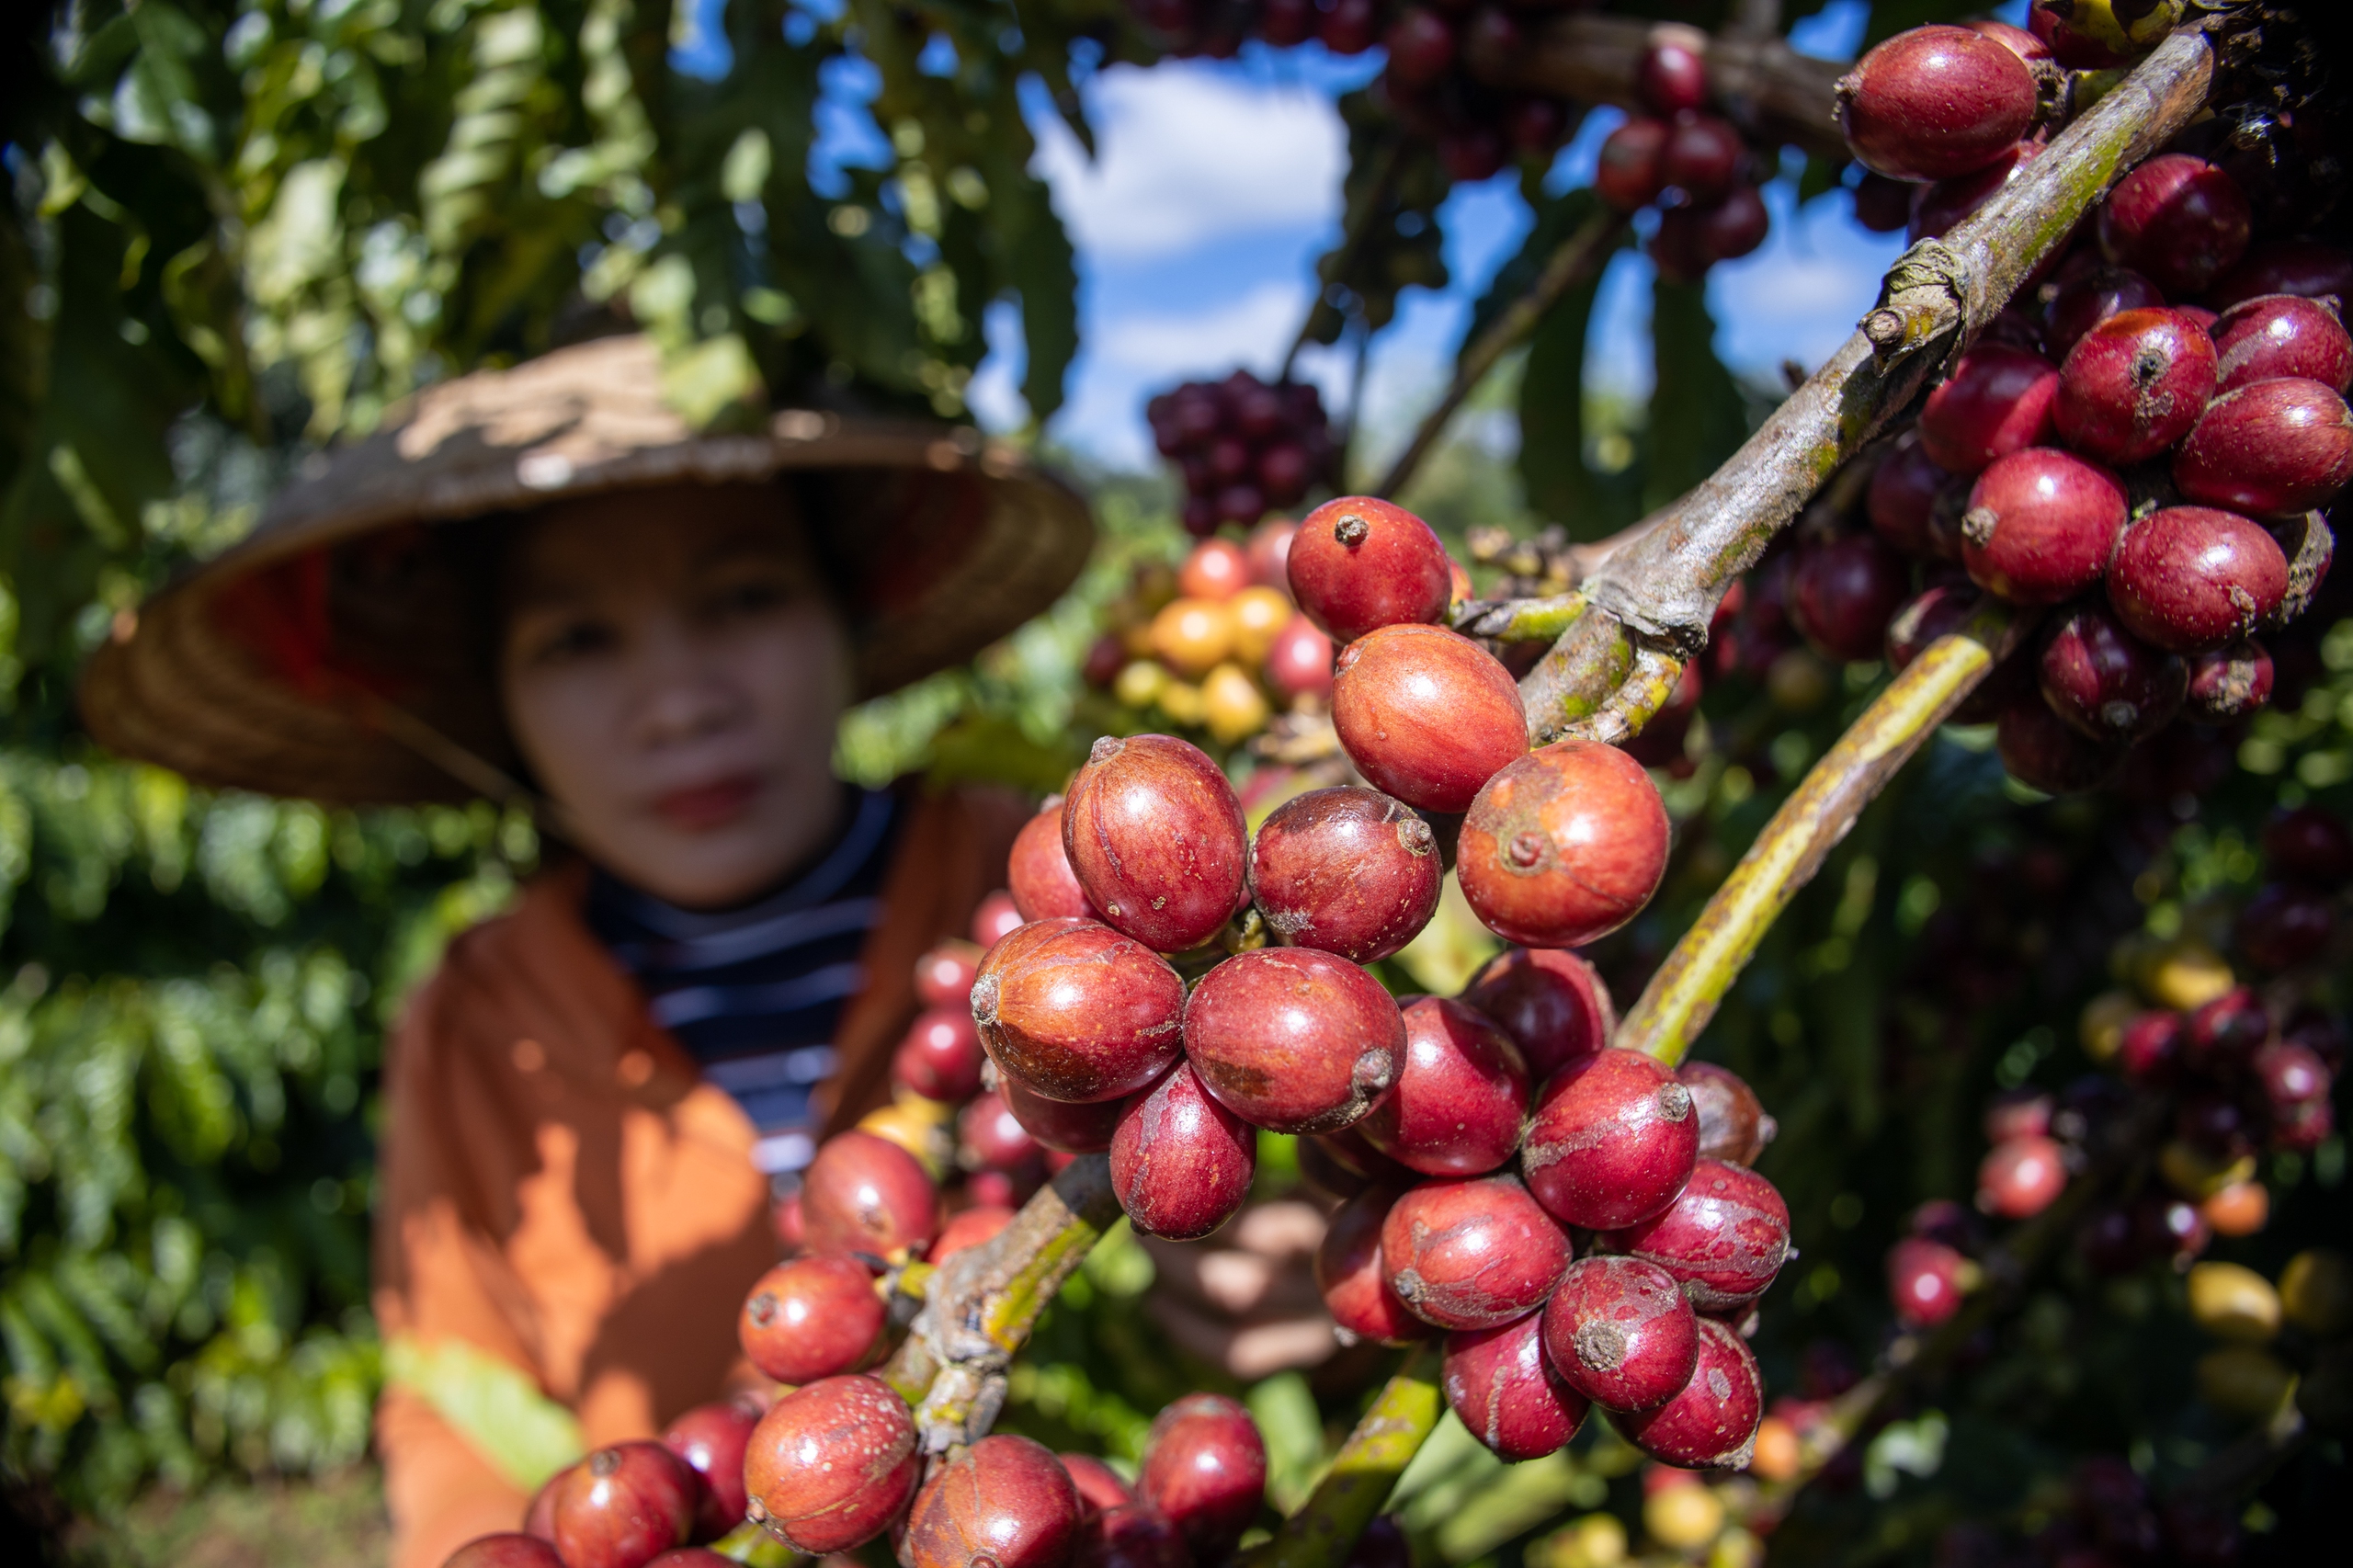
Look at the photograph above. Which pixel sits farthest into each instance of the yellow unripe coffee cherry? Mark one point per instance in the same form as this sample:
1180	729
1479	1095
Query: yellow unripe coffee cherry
2233	1302
1597	1541
1232	705
1181	700
2101	1028
1193	636
2241	1380
1138	684
2316	1291
2198	1174
1258	613
1683	1517
2185	974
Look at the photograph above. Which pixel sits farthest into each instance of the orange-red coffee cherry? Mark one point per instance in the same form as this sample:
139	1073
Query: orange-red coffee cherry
1078	1011
1724	1238
1205	1470
1552	1004
997	918
1621	1331
1294	1040
1732	1124
623	1504
1935	102
1472	1253
1059	1125
1043	885
1500	1385
1426	714
1349	1273
812	1317
863	1193
1356	564
1346	871
1711	1425
712	1440
1156	838
507	1550
831	1463
1461	1099
1613	1141
1181	1162
968	1228
2021	1176
1563	846
991	1137
1924	1281
1005	1502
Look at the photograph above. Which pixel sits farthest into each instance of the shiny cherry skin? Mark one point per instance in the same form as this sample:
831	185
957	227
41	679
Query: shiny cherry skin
2191	578
990	1137
1356	564
1078	1011
1471	1251
1998	399
863	1193
944	976
1613	1141
1711	1425
1461	1099
2269	448
968	1228
2179	220
1042	884
623	1504
2135	384
1501	1386
1734	1127
2042	526
1099	1485
1628	176
1205	1470
1059	1125
1294	1040
2280	334
1181	1162
1349	1273
1933	102
831	1463
1924	1281
2020	1177
1346	871
940	1058
1005	1502
1723	1239
1565	846
712	1440
1156	839
1552	1004
1621	1332
1902	490
2089	298
506	1549
2106	682
1426	714
811	1317
2227	684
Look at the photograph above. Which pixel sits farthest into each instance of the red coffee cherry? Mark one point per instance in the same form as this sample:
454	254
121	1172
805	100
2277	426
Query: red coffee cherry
2189	578
1734	226
1732	1124
1711	1425
1613	1141
1346	871
2280	334
1935	102
2270	448
1563	846
1997	400
2043	752
2311	844
1502	1388
1621	1331
2089	298
1077	1011
992	1137
812	1317
2294	1081
1942	206
505	1551
1128	1535
1218	568
940	1059
1428	715
538	1514
2179	220
1702	158
1180	1162
1061	1125
944	976
2228	684
968	1228
1902	490
2135	384
1671	79
1472	1253
1205	1470
1099	1485
1460	1097
1293	1040
1628	176
1421	47
2228	1030
712	1440
1842	591
2306	267
688	1557
863	1193
2149	1047
2042	526
2283	925
1552	1004
1724	1238
1924	1281
1882	205
1006	1503
995	919
1044	887
1357	564
1348	1150
1156	838
1299	662
1349	1273
2106	682
621	1504
2021	1176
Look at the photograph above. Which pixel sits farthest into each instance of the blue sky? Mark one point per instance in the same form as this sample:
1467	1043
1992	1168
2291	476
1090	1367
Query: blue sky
1217	186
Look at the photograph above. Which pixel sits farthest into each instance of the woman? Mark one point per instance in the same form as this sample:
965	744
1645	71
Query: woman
539	584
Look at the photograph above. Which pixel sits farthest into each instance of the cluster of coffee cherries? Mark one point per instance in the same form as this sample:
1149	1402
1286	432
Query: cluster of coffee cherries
1218	28
1243	445
1216	646
2278	1341
1475	128
1691	164
2145	472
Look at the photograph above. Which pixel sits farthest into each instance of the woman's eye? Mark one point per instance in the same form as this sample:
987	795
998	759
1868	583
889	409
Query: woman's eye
750	597
573	639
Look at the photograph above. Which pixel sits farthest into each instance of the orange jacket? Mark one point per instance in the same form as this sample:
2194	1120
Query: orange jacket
569	1217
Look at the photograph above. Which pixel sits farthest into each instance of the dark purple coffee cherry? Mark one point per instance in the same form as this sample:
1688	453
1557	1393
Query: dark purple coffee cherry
1702	158
1127	1535
1180	1162
2178	219
1723	1239
1472	1253
2270	448
1612	1142
1552	1004
2089	298
1421	47
2189	578
2311	844
2135	384
2044	752
1942	206
2306	268
1346	871
1734	226
1883	205
1997	400
2106	682
1732	1124
2280	334
1939	612
1461	1098
1621	1331
2283	925
1628	176
2042	526
1711	1425
1935	102
1672	77
2150	1048
1842	591
2228	684
1903	489
1502	1387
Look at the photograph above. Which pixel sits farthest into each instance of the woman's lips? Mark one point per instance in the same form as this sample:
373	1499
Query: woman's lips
702	807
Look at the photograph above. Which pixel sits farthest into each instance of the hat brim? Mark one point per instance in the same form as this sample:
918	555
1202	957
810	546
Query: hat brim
978	543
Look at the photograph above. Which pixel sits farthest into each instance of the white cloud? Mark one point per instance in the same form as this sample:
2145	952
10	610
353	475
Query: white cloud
1189	155
1253	330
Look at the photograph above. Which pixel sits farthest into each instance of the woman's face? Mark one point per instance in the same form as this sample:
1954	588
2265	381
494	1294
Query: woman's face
673	670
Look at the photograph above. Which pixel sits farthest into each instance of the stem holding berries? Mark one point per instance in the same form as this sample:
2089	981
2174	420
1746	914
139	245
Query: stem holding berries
1364	1472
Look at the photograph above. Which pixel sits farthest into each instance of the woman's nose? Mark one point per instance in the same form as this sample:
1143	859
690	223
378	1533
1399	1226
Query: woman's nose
683	693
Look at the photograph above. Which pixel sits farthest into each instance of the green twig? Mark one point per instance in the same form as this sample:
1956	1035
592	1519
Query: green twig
1366	1471
1518	621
